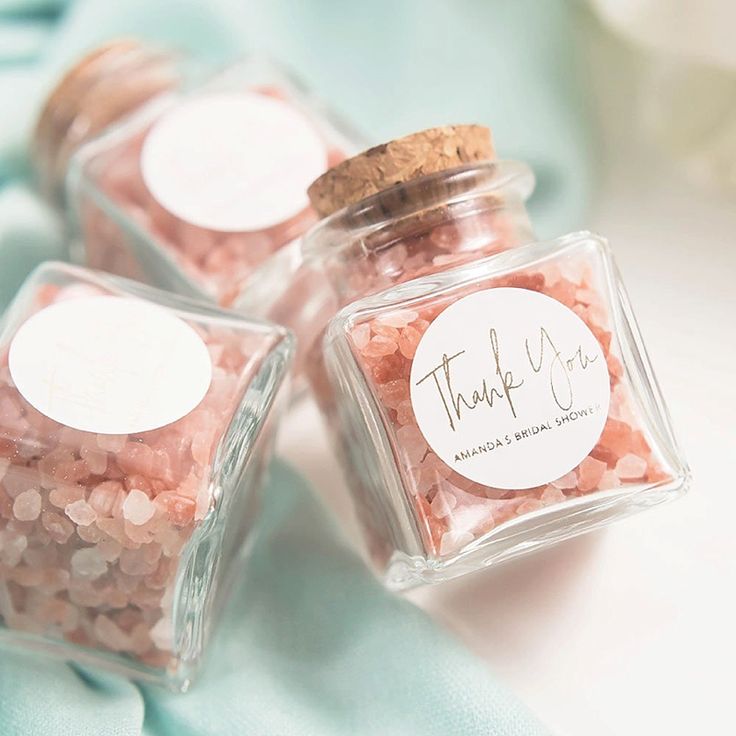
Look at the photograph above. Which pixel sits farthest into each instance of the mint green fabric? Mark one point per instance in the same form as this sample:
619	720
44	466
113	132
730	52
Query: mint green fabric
310	644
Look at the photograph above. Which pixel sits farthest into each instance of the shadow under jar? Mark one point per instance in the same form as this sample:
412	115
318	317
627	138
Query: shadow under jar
484	410
182	179
135	428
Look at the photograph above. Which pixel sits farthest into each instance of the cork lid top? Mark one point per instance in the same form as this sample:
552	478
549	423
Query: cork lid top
399	161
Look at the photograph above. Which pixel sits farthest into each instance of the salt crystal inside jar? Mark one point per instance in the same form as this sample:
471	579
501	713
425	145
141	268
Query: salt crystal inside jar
483	410
179	178
135	427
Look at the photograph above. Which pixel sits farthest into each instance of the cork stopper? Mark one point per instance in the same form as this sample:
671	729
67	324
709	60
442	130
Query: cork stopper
98	89
397	162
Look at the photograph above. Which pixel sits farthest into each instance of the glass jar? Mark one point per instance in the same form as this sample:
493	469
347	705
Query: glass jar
183	180
465	214
135	427
488	409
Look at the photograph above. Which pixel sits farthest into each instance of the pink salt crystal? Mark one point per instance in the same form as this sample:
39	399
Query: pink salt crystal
12	546
202	445
413	443
81	513
590	471
395	392
111	442
27	505
408	341
63	495
161	634
385	330
442	504
142	534
96	460
453	541
609	480
88	563
551	495
470	518
91	534
170	539
136	562
203	501
140	640
102	497
566	482
361	335
398	318
178	509
59	528
18	479
136	457
405	412
137	507
631	467
110	634
380	346
4	464
528	506
109	549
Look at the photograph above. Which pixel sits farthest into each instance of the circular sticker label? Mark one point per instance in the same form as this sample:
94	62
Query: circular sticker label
232	162
510	388
110	365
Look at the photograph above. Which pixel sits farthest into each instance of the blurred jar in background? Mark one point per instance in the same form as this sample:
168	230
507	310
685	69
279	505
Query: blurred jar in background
475	213
185	184
489	395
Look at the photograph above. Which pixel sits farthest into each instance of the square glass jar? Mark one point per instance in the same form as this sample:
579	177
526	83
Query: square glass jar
135	429
199	182
418	487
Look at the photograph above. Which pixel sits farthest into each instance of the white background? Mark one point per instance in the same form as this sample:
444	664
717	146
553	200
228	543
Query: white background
630	631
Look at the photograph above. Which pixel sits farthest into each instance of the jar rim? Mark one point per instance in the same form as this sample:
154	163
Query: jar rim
512	179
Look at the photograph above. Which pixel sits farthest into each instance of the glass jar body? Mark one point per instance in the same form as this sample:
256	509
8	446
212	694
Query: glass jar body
425	519
199	187
117	548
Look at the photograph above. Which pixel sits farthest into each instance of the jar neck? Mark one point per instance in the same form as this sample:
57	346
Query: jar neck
423	227
105	86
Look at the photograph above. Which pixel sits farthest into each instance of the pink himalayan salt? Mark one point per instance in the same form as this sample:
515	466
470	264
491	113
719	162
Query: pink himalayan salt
379	346
103	497
221	263
622	453
81	572
397	318
631	467
137	508
590	471
443	504
361	335
59	528
27	505
81	513
88	563
566	482
454	541
12	546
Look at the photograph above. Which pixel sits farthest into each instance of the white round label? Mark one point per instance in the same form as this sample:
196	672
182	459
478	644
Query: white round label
510	388
111	365
232	162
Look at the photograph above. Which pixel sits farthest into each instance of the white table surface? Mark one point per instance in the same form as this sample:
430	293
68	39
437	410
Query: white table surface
630	631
